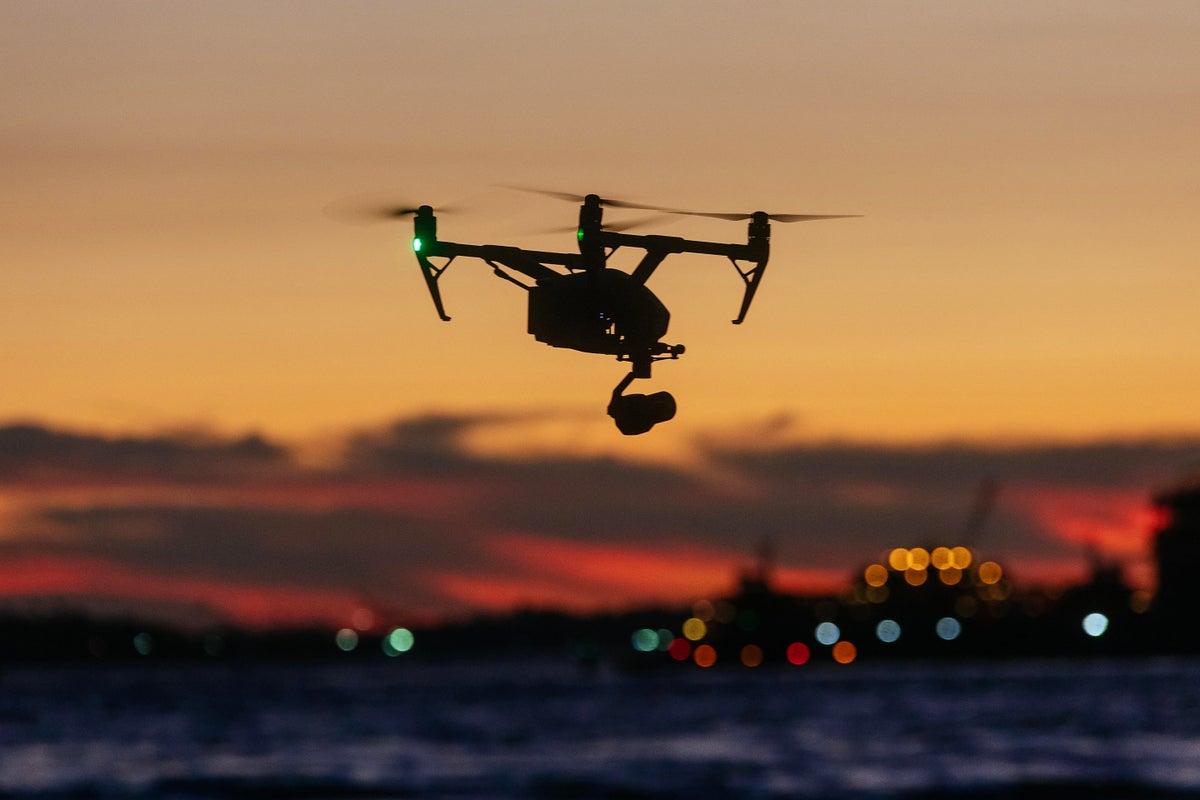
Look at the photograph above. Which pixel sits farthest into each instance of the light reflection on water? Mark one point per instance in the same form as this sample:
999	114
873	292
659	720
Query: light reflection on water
539	728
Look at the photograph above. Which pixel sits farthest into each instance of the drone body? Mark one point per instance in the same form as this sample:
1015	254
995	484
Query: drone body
601	311
577	301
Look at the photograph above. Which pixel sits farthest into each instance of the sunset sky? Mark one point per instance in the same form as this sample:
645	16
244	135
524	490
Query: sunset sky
216	393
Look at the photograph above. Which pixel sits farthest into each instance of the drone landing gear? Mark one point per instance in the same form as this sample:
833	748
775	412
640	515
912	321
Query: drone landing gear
638	413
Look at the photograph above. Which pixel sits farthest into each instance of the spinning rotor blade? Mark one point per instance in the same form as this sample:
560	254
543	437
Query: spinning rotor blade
809	217
733	217
615	227
579	198
362	210
773	217
633	223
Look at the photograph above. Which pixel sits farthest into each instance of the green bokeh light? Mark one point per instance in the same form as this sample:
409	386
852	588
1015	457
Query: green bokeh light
398	641
346	639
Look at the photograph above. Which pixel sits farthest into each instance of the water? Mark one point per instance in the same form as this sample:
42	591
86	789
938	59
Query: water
537	729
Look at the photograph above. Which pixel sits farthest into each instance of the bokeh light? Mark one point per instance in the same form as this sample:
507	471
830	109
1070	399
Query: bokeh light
704	610
346	639
918	558
948	628
798	653
990	572
680	649
941	558
705	655
951	576
694	629
960	557
645	640
887	631
844	652
400	640
363	619
1139	601
752	655
898	559
875	575
665	637
1095	624
915	577
827	633
143	643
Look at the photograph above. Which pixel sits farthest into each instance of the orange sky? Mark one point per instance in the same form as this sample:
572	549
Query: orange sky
1025	269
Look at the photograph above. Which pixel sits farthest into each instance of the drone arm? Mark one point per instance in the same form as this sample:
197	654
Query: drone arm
659	247
527	262
499	273
648	264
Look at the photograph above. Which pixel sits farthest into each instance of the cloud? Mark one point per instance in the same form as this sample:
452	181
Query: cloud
432	443
35	452
1114	463
412	518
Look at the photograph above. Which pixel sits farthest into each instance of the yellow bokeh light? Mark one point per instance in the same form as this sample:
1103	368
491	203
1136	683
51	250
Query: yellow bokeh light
752	655
898	559
915	577
951	576
877	594
941	558
876	575
694	629
705	655
960	557
844	652
918	558
990	572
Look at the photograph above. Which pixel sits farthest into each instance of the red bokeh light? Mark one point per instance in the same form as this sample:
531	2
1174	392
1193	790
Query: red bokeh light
680	649
798	653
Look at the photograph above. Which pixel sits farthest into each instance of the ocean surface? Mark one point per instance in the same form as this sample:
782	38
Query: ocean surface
544	729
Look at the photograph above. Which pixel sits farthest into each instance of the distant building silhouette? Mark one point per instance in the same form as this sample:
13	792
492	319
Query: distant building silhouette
1177	555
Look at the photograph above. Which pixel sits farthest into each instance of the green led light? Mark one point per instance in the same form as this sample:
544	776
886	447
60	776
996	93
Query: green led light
579	234
416	244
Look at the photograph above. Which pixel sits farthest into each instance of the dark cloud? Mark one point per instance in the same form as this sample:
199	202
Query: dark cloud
429	444
1115	463
35	451
825	505
344	547
438	445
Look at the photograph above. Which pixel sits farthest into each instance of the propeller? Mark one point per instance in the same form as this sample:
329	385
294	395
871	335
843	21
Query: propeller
735	217
365	210
615	227
579	198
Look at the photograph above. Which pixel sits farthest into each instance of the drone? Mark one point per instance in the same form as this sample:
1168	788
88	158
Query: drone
577	301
